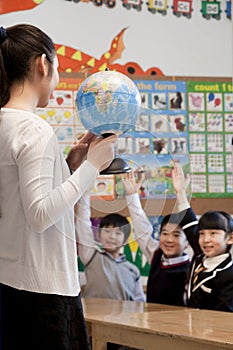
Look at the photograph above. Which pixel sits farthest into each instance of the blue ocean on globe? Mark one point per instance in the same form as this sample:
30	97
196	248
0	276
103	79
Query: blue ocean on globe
108	102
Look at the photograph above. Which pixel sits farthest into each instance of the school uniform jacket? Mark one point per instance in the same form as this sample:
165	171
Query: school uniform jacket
214	290
167	278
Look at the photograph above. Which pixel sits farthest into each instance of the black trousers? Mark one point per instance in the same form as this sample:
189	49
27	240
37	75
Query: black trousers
34	321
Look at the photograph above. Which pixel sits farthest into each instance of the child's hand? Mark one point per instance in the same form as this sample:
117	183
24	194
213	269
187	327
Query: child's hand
179	181
130	184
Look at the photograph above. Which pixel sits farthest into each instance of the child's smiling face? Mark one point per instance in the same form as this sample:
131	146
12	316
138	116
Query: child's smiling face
172	240
112	239
214	242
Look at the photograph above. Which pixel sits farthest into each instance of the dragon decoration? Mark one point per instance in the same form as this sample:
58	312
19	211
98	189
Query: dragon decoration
72	60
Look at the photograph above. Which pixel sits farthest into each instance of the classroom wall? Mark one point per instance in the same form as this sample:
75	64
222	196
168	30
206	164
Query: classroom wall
192	48
178	46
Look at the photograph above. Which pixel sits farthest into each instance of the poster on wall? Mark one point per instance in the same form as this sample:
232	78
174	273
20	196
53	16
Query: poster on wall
210	114
189	122
62	115
158	138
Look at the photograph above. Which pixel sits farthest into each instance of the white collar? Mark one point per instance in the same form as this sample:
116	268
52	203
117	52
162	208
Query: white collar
211	263
174	261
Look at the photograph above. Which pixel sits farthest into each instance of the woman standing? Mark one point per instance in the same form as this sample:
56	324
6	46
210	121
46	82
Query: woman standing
40	293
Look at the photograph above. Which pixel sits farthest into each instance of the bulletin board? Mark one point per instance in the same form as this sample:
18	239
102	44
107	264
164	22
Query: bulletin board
185	120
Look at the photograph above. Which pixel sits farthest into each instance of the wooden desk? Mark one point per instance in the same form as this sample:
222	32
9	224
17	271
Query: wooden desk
156	327
96	306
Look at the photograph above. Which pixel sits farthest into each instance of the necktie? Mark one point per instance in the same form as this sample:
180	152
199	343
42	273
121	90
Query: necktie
197	272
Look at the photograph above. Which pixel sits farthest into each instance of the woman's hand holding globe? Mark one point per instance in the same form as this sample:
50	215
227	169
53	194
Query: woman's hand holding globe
101	152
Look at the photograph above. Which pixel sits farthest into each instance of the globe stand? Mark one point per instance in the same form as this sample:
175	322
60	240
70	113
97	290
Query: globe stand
118	165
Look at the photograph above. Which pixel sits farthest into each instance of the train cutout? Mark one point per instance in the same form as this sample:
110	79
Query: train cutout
228	9
134	4
182	8
179	7
209	8
159	6
108	3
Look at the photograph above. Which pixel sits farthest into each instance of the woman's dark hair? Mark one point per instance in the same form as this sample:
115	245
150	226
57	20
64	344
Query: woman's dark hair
20	46
216	220
116	220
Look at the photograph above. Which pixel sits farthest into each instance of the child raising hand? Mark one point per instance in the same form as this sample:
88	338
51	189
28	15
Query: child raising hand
169	263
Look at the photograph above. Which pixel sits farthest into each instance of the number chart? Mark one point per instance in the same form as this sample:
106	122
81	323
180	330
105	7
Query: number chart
210	116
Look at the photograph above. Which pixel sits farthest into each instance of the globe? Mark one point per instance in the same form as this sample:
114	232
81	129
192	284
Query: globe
108	102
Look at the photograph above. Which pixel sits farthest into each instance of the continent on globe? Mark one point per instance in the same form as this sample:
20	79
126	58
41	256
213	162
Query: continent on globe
108	102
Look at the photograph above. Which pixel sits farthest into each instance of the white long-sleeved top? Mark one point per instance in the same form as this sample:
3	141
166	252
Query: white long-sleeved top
37	195
106	276
142	227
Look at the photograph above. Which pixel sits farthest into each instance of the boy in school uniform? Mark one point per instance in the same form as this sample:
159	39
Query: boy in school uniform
169	264
108	273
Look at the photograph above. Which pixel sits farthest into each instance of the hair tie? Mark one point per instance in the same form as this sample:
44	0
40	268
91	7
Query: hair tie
3	35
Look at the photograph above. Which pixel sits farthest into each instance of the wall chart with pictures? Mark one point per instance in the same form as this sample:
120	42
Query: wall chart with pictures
186	121
158	138
210	120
